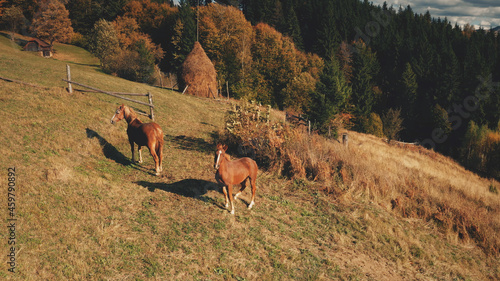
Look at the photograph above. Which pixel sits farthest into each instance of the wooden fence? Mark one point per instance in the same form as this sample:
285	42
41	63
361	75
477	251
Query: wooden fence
114	94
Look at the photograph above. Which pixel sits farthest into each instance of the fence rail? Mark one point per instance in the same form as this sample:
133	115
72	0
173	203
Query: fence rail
114	94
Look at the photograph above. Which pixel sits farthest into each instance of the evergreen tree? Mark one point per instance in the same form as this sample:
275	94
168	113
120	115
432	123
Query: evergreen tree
14	18
332	95
364	89
184	34
406	97
104	40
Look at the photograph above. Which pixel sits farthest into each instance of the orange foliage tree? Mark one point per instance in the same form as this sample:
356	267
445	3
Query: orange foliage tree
148	15
52	22
129	35
2	6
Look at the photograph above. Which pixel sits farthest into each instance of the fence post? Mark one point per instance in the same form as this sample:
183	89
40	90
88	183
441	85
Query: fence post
345	139
68	72
151	110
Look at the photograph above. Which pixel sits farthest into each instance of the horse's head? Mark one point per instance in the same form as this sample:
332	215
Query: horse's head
119	114
219	154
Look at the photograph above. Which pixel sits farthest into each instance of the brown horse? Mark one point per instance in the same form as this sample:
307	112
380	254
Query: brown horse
234	172
143	134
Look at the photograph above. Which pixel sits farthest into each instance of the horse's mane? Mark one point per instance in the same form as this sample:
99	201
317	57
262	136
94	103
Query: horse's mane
129	114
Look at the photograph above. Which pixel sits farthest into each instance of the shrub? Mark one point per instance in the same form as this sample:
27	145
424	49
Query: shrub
79	40
373	125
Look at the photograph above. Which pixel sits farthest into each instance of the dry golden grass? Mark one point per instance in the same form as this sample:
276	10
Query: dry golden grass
416	182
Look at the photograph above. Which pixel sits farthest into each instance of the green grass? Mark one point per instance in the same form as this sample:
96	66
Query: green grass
88	213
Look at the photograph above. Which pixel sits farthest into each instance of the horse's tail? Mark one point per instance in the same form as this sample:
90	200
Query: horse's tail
159	140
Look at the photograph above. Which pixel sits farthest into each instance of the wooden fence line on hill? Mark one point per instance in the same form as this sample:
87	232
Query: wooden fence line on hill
22	82
114	94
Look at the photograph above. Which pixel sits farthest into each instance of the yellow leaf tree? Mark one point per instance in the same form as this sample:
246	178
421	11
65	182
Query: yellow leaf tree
227	38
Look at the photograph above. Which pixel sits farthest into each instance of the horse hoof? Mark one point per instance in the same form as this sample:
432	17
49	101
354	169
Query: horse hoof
232	212
251	205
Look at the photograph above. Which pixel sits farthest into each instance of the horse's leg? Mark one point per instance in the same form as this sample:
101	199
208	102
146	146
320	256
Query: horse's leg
159	152
230	194
243	185
254	187
225	196
133	152
152	150
139	149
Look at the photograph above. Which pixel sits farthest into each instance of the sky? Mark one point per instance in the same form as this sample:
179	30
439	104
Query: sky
484	13
479	13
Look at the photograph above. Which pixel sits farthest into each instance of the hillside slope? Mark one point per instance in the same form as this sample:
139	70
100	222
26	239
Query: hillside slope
85	212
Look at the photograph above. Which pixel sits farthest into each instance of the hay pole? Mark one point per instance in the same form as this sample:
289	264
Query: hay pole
109	93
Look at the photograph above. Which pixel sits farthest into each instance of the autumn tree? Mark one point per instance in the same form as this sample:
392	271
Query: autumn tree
373	125
345	61
297	92
227	36
275	58
52	22
149	15
129	34
137	55
2	6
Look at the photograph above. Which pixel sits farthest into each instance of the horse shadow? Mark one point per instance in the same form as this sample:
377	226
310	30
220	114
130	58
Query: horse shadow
108	149
193	188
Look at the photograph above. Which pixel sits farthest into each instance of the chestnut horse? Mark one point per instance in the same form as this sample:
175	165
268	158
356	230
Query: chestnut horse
234	172
143	134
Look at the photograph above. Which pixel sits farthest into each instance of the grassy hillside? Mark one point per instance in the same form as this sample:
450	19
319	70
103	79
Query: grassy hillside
85	212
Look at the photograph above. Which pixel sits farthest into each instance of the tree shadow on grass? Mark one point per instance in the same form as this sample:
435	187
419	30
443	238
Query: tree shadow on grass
191	143
193	188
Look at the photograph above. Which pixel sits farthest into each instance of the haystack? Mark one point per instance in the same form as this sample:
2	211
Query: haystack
198	73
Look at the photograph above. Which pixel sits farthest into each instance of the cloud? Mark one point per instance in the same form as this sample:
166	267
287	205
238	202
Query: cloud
474	12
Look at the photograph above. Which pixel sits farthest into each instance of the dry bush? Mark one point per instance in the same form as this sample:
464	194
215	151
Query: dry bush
413	182
250	132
